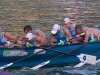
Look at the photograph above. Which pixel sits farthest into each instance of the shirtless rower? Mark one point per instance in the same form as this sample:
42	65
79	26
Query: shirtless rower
40	36
90	33
6	40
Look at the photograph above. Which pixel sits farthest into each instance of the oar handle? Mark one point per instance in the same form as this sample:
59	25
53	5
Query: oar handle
63	42
95	39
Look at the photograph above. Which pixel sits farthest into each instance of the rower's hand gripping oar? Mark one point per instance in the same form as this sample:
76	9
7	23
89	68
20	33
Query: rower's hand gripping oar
64	42
85	58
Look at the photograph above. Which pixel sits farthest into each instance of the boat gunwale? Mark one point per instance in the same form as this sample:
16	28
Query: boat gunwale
18	48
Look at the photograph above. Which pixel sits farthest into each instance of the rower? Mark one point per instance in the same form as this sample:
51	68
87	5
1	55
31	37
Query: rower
91	33
6	40
59	33
41	38
71	28
34	40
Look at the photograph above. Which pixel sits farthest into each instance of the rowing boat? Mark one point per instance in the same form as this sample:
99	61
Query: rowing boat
8	55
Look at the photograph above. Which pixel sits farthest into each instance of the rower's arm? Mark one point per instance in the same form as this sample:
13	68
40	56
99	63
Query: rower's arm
67	33
11	38
42	35
51	39
39	41
21	39
87	35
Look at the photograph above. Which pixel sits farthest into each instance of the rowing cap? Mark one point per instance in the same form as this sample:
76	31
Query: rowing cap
67	20
55	28
29	36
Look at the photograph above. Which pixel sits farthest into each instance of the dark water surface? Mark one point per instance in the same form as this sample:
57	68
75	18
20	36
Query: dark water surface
66	70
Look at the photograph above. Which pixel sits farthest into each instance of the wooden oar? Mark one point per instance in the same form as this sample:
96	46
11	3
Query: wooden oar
7	65
87	61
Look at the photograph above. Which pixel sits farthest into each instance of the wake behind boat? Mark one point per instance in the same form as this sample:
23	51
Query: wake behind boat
9	55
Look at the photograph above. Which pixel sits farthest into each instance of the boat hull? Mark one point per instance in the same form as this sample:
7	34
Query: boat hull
13	54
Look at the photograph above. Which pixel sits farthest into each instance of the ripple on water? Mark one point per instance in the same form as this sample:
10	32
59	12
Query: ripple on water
66	70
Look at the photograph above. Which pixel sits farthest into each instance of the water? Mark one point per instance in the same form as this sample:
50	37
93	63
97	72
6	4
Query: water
66	70
43	14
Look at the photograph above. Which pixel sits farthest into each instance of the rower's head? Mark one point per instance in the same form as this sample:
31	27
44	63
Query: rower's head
30	37
55	29
27	29
67	22
79	29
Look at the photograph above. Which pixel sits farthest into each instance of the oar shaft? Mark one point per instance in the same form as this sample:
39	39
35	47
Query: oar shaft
57	51
97	53
78	47
64	53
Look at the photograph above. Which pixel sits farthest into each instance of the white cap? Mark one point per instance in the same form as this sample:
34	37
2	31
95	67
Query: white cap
55	28
67	20
29	36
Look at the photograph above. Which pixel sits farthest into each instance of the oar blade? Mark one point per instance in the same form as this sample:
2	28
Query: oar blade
80	64
98	61
40	65
89	59
2	67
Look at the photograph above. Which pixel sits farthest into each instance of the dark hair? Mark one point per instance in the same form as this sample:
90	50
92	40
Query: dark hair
28	28
78	27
